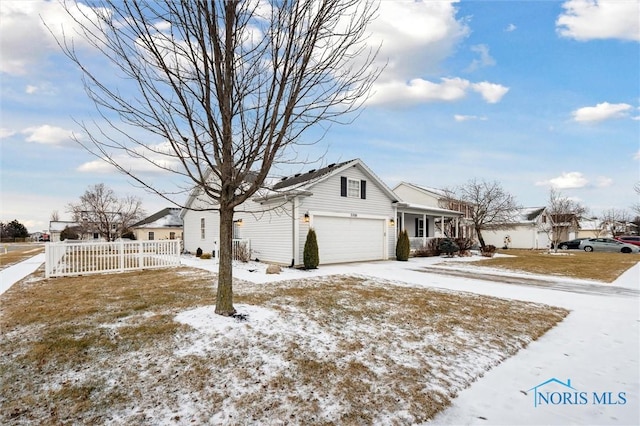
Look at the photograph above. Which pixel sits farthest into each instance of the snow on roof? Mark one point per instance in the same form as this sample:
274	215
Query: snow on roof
59	225
528	214
166	218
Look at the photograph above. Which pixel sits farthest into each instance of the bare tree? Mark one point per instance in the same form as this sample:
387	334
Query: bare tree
54	216
101	211
636	206
228	86
493	207
616	220
563	213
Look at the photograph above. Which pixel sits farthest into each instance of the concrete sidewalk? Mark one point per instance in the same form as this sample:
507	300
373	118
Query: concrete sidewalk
15	273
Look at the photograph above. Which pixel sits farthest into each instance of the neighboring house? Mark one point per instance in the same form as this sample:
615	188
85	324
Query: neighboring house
592	228
530	230
163	225
427	212
57	226
352	211
565	225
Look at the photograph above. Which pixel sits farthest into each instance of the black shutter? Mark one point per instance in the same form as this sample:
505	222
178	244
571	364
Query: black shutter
363	189
417	226
343	186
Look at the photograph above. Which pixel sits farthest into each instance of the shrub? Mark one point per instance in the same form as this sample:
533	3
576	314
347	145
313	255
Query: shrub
205	256
198	252
488	251
242	252
69	234
465	245
403	246
129	235
448	246
311	258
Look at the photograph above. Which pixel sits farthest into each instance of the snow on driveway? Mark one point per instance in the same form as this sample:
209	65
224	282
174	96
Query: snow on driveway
595	350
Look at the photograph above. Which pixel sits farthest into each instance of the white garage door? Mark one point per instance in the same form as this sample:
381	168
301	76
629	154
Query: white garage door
344	239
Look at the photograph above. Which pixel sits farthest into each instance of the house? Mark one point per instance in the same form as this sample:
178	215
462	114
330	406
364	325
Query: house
428	212
351	210
57	226
530	230
163	225
565	225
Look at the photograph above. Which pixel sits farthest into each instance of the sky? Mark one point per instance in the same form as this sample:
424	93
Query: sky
534	95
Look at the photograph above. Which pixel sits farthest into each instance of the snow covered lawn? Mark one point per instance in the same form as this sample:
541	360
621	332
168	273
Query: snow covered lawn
146	348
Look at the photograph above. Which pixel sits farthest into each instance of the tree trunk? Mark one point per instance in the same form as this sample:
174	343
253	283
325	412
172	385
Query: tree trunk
224	296
479	232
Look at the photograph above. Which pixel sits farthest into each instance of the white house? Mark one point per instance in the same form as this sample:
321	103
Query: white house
163	225
422	212
352	211
529	231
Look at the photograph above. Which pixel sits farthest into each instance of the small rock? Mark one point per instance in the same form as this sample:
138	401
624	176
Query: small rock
273	269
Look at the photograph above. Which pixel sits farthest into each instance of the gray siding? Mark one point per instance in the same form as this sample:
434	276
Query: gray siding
191	227
326	198
269	227
412	195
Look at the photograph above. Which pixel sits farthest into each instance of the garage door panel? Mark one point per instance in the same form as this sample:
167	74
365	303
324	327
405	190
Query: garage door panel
343	239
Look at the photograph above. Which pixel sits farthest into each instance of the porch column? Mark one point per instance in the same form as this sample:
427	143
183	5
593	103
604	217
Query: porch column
402	225
425	229
442	227
457	225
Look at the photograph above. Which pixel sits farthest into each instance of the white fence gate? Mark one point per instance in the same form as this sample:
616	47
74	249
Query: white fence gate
83	258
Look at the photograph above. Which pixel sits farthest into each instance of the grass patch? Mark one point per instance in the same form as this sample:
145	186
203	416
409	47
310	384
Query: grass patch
598	266
15	256
339	349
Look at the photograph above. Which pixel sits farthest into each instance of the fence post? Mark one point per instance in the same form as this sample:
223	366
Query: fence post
121	248
47	261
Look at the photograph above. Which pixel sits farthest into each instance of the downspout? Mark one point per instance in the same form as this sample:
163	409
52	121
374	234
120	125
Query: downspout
295	243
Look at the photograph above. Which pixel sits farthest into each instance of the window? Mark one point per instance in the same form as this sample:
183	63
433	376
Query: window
151	235
96	235
202	228
353	188
419	227
172	235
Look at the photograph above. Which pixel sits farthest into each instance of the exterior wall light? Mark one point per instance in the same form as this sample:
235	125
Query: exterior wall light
392	222
306	218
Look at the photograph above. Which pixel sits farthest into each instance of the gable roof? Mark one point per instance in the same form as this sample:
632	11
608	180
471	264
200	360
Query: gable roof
301	183
528	214
431	191
311	176
168	217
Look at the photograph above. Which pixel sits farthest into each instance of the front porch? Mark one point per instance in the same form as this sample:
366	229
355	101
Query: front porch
424	223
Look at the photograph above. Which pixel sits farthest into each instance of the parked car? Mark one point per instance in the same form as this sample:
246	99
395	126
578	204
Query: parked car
608	244
630	239
571	244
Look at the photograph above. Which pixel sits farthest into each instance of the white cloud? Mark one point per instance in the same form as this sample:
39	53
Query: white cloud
21	24
419	90
591	19
485	59
566	181
459	117
416	36
604	182
48	135
5	133
510	28
491	92
637	155
601	112
146	160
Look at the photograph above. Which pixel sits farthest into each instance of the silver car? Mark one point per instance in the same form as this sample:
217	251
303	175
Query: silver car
607	244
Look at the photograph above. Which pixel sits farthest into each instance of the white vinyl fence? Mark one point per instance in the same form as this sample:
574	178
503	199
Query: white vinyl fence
83	258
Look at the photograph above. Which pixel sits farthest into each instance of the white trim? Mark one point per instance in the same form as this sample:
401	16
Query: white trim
341	214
